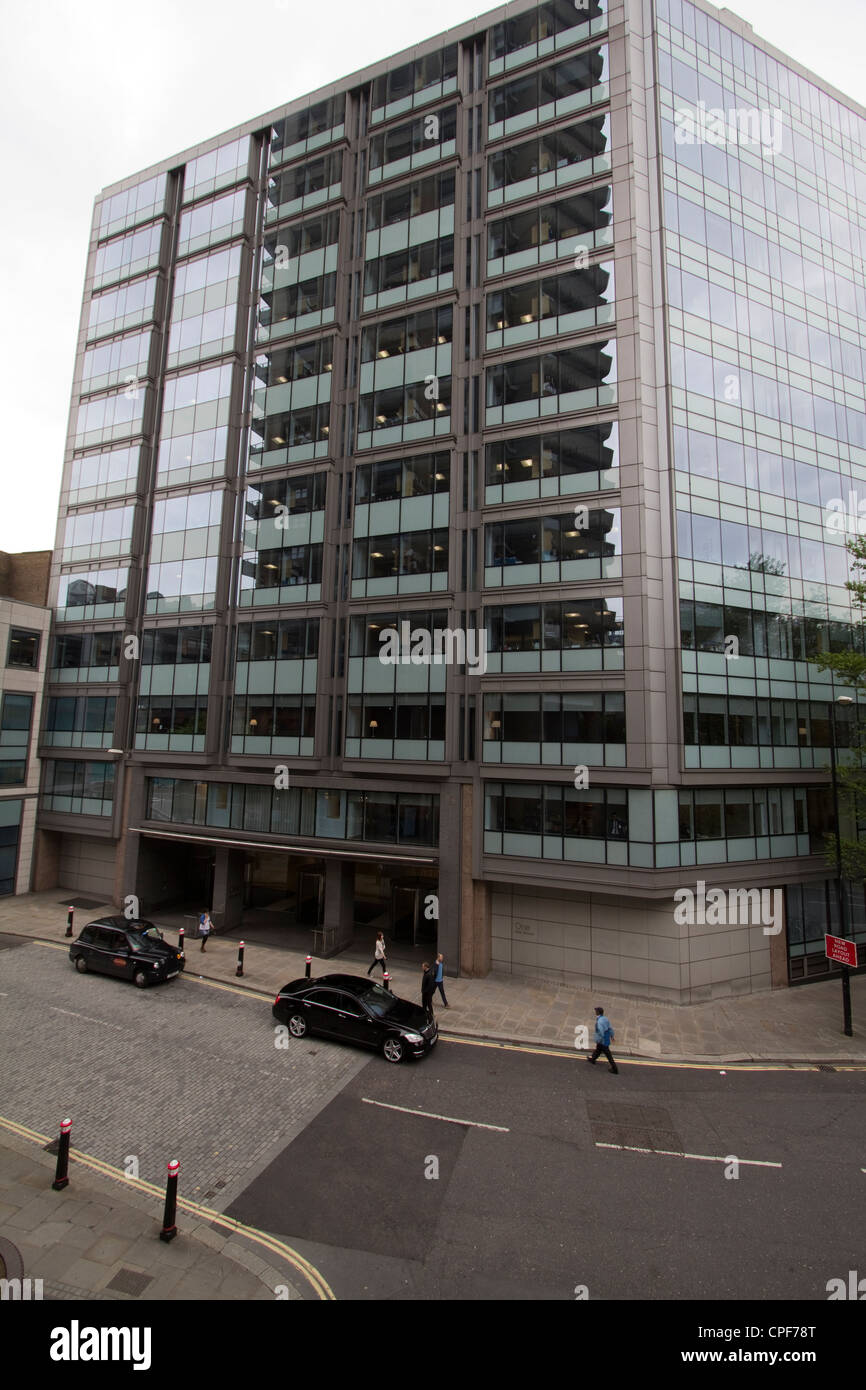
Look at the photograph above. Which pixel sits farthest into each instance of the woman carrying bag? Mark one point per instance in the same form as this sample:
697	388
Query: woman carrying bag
379	956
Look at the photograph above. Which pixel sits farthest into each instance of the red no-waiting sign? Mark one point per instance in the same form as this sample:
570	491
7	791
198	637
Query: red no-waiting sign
839	949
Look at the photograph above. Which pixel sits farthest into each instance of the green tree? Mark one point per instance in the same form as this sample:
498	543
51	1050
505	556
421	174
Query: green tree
849	667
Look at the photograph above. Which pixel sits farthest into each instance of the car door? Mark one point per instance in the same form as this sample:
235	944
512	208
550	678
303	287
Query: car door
353	1022
99	956
321	1011
117	955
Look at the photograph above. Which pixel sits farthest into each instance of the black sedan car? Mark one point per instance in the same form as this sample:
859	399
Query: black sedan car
131	950
354	1009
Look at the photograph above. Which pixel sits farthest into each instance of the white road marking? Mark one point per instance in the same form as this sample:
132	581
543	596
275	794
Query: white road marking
705	1158
428	1115
101	1021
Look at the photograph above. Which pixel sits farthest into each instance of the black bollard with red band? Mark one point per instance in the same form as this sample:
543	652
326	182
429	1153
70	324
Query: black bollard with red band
169	1229
61	1178
386	980
69	916
181	937
307	968
240	969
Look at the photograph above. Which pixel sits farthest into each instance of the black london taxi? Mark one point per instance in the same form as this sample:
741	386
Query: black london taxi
130	949
355	1009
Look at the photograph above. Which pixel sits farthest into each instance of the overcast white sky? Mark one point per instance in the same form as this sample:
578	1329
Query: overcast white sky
91	91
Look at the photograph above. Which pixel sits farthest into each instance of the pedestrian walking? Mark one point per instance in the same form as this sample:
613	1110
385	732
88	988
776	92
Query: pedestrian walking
205	927
603	1039
428	989
439	977
379	954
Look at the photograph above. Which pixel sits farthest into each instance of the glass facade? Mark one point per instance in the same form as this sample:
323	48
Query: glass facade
387	353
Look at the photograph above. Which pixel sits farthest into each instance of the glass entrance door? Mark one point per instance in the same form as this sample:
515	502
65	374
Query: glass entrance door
311	899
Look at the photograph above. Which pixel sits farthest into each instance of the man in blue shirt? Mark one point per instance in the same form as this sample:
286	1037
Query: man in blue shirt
439	977
603	1040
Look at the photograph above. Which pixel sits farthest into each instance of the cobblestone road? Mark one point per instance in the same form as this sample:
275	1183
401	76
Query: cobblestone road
180	1070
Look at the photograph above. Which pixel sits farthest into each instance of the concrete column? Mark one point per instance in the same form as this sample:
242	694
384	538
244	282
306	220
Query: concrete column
475	925
228	888
450	925
126	855
339	906
779	953
46	860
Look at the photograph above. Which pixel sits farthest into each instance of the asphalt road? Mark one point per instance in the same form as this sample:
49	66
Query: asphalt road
539	1211
393	1204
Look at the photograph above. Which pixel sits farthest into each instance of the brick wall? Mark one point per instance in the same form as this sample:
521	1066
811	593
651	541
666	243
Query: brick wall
25	576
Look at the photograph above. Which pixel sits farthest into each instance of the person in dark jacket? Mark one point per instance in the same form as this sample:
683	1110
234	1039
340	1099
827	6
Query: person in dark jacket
428	989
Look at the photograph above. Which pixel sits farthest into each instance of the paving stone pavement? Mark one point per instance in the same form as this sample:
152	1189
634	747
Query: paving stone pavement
800	1024
213	1092
91	1240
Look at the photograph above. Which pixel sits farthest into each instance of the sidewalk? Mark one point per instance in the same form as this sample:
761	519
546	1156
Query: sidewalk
784	1025
99	1239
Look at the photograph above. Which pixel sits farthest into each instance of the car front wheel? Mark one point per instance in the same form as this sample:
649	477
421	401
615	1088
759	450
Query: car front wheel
297	1025
81	964
394	1050
140	978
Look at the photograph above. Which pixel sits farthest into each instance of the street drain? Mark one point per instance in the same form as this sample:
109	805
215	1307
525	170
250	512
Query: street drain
633	1126
130	1281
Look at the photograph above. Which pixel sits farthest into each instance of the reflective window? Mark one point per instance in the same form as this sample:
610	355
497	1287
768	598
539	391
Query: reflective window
194	428
217	220
559	83
105	474
136	204
125	307
217	169
81	788
23	649
97	594
128	255
410	200
204	309
94	534
411	78
85	655
184	553
425	137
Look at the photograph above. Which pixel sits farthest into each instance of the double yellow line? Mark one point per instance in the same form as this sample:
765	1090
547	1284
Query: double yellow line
303	1267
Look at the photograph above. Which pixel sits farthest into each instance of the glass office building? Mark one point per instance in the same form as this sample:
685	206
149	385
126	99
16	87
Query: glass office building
565	302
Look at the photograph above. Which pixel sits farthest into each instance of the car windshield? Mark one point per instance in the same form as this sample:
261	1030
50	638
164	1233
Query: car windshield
139	939
378	1000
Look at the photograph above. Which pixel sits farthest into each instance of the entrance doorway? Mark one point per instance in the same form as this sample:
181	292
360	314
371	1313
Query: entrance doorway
411	916
311	899
289	888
